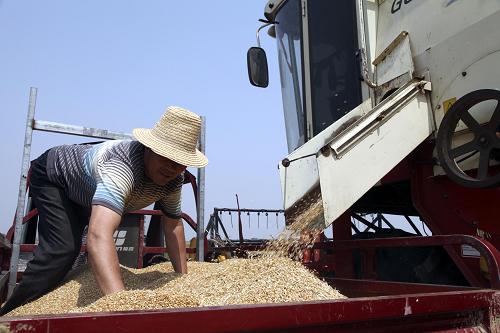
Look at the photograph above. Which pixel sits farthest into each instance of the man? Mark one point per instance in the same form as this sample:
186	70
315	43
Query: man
76	185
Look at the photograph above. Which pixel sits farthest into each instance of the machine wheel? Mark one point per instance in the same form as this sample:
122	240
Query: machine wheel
485	142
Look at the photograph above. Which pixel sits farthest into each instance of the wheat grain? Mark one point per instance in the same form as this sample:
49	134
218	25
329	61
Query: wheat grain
235	281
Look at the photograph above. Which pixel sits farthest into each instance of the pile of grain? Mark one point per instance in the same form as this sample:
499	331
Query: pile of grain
235	281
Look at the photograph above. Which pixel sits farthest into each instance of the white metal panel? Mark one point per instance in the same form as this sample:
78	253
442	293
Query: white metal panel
398	62
301	175
371	8
473	53
483	74
345	177
445	37
364	48
429	22
306	67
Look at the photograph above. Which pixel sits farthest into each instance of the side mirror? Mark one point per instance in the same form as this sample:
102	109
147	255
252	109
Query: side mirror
257	67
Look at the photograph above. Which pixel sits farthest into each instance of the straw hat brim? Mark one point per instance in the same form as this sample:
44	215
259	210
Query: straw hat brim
192	159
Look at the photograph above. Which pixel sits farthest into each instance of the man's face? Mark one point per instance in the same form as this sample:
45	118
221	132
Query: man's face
161	169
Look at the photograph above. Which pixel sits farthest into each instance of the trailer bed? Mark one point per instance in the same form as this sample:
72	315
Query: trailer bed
456	311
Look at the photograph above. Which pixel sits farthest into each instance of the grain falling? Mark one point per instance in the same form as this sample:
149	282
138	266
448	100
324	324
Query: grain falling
234	281
303	231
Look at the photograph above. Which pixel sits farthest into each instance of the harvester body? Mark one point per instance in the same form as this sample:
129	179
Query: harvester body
401	65
392	108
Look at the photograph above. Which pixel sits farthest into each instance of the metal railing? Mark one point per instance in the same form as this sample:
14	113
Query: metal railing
215	224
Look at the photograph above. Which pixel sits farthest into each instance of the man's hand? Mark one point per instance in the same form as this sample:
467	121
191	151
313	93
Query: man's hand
176	243
102	251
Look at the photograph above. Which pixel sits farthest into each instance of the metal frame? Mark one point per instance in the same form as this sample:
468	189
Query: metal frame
343	249
200	200
142	248
215	222
32	125
306	72
364	51
21	197
447	208
53	127
378	222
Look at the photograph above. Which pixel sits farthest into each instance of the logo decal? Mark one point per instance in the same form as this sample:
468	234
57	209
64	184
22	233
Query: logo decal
396	5
119	236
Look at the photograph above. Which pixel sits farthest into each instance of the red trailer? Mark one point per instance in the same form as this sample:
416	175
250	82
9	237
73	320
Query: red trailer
438	311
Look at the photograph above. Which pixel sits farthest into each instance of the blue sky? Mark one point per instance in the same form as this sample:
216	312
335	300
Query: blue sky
118	64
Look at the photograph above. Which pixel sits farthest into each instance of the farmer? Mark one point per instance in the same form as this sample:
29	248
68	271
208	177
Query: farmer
77	185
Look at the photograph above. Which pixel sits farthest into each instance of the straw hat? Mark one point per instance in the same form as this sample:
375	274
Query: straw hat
175	137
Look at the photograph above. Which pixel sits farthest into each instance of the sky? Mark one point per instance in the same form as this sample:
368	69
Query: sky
117	65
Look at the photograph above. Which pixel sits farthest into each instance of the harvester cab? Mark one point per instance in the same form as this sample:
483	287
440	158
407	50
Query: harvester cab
385	102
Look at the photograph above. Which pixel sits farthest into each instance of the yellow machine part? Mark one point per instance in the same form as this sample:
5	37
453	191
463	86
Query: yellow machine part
483	267
192	244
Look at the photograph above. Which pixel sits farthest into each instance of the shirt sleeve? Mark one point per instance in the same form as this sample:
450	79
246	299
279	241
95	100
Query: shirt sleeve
114	182
170	203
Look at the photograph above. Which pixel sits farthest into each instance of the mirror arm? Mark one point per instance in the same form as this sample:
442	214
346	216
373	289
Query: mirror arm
266	23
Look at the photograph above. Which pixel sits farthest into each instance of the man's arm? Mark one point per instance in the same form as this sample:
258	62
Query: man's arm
176	243
101	248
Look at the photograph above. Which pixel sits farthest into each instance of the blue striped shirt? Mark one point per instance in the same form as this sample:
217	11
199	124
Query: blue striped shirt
111	174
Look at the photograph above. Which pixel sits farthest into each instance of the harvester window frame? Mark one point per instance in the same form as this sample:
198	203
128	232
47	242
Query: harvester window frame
292	86
345	59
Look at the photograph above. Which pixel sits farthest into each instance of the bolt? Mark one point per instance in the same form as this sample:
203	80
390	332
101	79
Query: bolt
464	74
325	151
483	141
285	162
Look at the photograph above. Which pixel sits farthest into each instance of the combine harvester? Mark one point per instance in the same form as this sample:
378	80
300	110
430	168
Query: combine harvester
391	107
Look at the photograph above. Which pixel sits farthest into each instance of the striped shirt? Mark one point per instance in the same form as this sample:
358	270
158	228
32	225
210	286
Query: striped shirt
111	174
